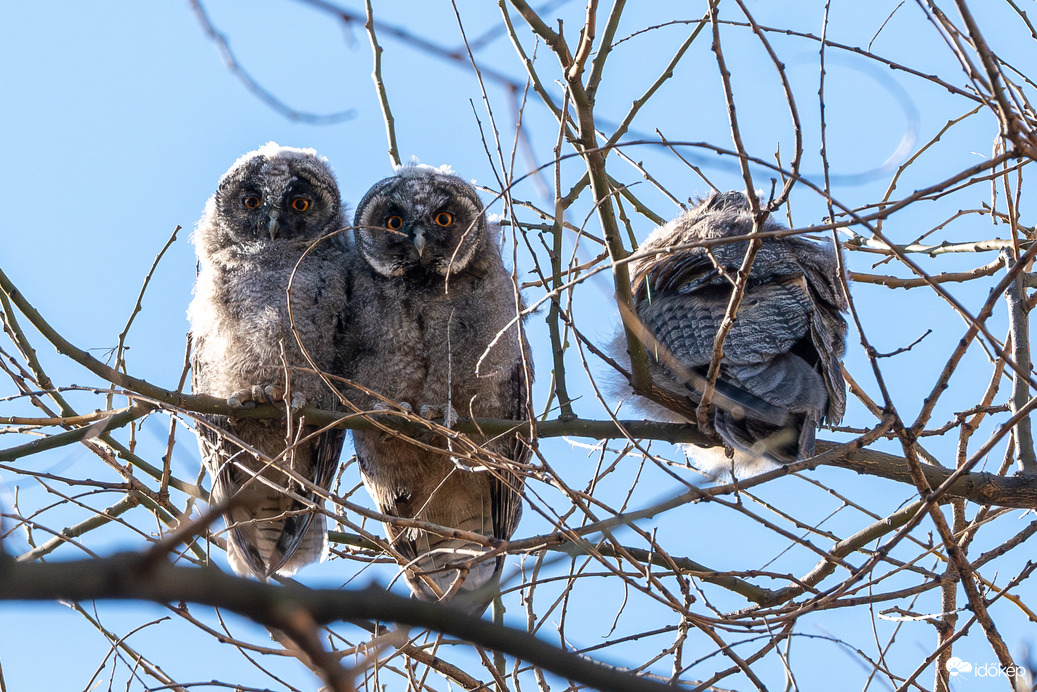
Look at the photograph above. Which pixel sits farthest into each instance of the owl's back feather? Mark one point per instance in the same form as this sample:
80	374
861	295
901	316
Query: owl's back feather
780	376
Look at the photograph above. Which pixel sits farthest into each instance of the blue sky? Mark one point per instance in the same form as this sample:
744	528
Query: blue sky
117	120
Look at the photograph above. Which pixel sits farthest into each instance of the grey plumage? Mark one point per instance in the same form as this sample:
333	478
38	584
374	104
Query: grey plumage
251	344
780	376
437	335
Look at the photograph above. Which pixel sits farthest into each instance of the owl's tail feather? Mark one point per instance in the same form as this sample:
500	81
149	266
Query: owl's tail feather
445	561
274	538
303	540
787	384
781	444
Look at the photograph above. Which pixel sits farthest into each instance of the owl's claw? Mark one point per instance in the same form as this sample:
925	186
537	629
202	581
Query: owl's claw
257	394
268	394
385	406
445	411
241	399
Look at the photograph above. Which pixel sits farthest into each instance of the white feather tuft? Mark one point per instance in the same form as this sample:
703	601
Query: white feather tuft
414	168
273	150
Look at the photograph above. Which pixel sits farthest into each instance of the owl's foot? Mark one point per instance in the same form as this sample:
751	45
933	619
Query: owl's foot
445	411
262	394
386	406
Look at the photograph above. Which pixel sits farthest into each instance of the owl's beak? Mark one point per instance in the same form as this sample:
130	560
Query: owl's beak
271	225
419	240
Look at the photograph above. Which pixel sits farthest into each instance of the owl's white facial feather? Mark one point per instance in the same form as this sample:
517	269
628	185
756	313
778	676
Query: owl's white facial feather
384	267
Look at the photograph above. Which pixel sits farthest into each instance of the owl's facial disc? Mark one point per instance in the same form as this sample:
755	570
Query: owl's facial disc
419	226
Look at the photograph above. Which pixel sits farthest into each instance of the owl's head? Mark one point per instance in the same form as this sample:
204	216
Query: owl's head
273	194
421	221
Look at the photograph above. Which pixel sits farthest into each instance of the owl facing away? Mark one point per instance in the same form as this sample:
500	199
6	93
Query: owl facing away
780	376
265	320
437	334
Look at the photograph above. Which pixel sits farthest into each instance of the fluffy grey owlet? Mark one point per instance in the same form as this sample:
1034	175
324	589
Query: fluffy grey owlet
437	334
780	376
252	343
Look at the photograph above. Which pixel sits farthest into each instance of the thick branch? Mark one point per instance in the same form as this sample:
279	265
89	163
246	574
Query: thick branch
981	488
128	576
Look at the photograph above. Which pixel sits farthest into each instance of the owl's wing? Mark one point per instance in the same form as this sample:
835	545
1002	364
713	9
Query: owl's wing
670	274
268	530
827	325
682	303
221	457
769	390
216	453
506	486
304	536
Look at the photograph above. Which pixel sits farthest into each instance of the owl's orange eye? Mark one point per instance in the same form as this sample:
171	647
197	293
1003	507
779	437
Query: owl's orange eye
300	204
394	223
444	218
251	202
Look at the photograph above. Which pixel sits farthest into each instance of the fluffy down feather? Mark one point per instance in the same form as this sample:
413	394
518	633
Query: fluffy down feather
437	336
261	236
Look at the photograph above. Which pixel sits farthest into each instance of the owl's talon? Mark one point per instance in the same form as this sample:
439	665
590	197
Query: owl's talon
298	401
446	412
388	406
257	394
241	399
270	394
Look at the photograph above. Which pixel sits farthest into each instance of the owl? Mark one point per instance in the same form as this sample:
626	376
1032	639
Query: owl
266	320
780	376
437	334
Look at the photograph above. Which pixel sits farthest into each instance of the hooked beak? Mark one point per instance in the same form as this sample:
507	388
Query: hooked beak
271	226
419	241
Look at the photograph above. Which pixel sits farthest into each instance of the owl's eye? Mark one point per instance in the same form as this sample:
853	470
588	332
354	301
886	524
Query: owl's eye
444	218
251	202
394	223
300	204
